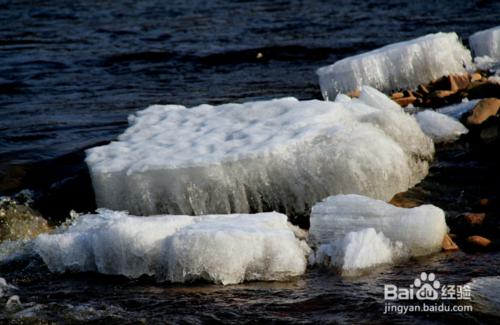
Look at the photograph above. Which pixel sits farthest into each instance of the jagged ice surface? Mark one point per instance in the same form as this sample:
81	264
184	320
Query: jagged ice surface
341	223
441	128
485	293
218	248
486	43
400	65
282	155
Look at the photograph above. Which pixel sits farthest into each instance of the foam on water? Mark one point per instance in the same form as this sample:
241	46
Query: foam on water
420	230
281	155
218	248
486	43
441	128
400	65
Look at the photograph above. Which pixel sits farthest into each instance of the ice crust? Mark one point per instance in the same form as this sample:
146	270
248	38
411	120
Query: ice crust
486	43
417	231
441	128
282	155
457	110
402	65
223	249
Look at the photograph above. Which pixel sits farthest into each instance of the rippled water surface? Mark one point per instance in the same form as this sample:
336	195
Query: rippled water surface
72	71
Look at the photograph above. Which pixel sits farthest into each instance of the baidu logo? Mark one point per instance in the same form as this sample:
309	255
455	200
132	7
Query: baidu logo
426	289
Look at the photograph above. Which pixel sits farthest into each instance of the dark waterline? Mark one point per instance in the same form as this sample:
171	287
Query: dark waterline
72	71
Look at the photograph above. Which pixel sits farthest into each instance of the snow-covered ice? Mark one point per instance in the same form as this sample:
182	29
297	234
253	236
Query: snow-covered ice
218	248
402	65
486	43
441	128
420	230
282	155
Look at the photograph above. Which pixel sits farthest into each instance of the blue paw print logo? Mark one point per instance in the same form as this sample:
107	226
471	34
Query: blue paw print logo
427	286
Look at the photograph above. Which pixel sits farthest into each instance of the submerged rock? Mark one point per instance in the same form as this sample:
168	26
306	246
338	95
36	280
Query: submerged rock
19	221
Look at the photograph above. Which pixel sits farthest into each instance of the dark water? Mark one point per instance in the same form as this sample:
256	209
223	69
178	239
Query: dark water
71	72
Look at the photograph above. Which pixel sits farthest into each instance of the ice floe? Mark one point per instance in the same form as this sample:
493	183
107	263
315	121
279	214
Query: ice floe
457	110
223	249
486	43
441	128
282	155
402	65
356	232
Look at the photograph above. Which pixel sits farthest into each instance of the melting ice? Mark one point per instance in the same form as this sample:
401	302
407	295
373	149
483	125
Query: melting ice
217	248
282	155
402	65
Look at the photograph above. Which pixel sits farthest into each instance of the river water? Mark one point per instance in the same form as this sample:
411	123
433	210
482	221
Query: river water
72	71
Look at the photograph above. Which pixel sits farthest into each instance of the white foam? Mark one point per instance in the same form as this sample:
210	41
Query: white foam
402	65
281	155
218	248
420	230
486	43
441	128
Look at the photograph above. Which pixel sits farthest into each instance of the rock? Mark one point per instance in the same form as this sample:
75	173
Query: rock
483	110
459	82
476	76
482	89
449	244
397	95
478	241
474	218
20	222
405	101
423	90
354	93
399	200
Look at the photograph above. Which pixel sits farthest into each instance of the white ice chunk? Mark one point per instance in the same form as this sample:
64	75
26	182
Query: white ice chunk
457	110
401	65
441	128
282	155
485	294
356	251
486	43
375	98
420	230
218	248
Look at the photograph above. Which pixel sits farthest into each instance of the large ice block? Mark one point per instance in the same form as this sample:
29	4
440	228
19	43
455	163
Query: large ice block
486	43
217	248
420	230
282	155
400	65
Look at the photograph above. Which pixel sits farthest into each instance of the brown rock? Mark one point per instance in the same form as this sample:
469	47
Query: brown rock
401	201
459	82
405	101
354	93
483	202
449	244
423	90
483	110
483	89
478	241
476	76
397	95
442	93
474	218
